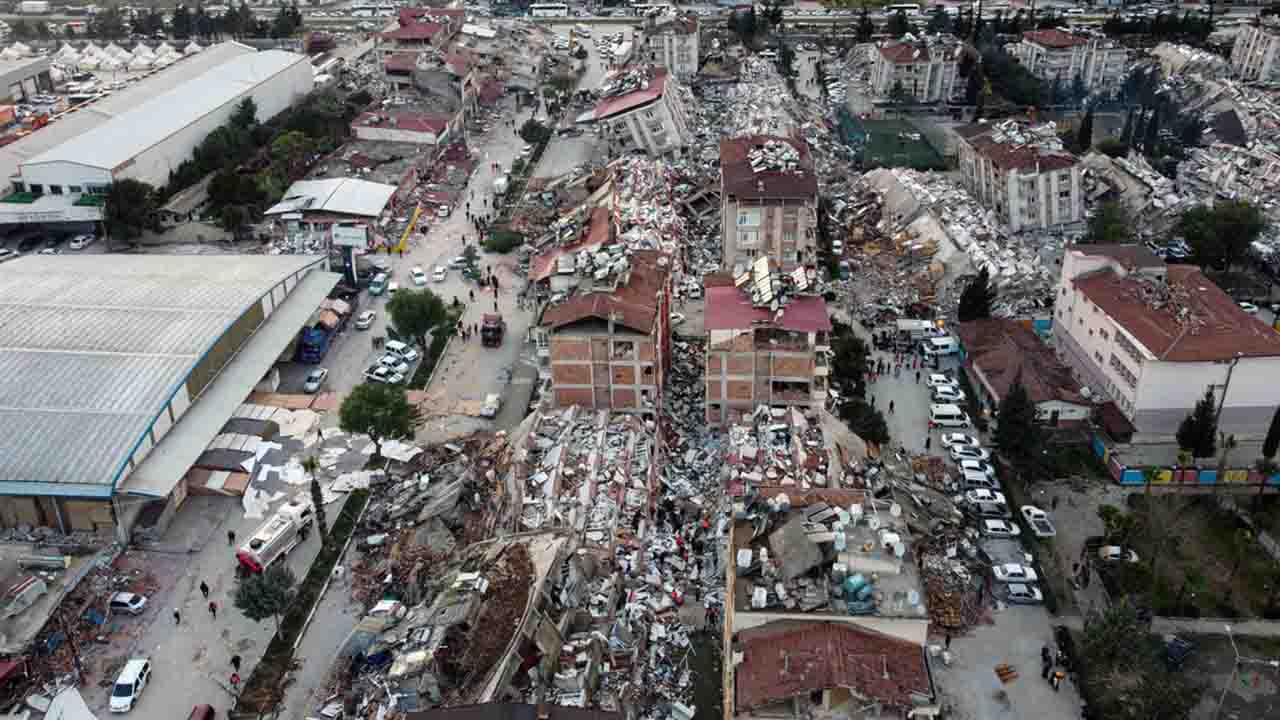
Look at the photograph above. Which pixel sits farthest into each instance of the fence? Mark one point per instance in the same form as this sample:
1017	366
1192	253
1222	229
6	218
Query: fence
1177	475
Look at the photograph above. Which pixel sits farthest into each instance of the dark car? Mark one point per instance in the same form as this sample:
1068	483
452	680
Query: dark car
30	243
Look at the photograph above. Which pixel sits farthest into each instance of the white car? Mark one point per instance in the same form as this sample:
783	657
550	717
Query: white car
1249	308
1000	528
458	262
1115	553
977	466
968	452
1013	573
383	374
364	320
950	440
1021	594
81	242
948	394
129	686
439	273
394	363
419	277
392	288
492	404
982	495
127	602
315	379
939	380
676	319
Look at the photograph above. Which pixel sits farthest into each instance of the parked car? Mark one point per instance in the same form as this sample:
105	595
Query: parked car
985	496
458	262
938	380
984	511
492	404
950	440
977	466
1039	521
379	284
315	379
419	277
394	362
392	288
1013	573
81	242
439	273
29	243
1000	528
1115	553
968	452
1019	594
364	320
128	603
676	319
948	394
383	374
129	685
1249	308
977	481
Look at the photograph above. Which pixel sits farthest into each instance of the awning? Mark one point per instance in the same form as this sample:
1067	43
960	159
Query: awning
182	445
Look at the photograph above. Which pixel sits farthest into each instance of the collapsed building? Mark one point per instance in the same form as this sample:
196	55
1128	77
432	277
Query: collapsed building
642	108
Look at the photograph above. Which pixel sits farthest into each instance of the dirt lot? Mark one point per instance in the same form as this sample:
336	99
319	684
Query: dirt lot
1253	693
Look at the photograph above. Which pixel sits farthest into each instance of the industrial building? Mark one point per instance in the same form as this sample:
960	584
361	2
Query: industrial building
21	79
150	139
769	202
116	372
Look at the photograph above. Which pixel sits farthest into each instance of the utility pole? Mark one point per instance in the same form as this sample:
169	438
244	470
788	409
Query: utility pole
1223	400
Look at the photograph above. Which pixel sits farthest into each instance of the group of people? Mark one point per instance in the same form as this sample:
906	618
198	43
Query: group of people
205	590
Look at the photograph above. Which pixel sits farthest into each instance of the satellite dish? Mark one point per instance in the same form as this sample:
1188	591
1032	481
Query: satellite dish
895	510
873	522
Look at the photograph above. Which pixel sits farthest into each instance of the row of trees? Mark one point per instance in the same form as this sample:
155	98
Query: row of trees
112	24
1188	27
1219	235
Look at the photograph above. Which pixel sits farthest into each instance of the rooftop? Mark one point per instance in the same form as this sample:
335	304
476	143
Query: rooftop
114	143
1015	146
1053	38
92	348
411	121
513	711
731	308
630	88
595	234
784	659
767	166
344	196
1132	256
1005	351
1183	318
414	31
633	301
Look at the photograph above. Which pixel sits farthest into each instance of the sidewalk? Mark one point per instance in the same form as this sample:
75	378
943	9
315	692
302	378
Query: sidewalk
1199	626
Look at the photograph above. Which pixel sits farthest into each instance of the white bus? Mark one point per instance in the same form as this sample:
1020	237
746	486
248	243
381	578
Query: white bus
908	8
642	9
549	10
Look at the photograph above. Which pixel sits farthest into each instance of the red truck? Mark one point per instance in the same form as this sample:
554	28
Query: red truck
492	328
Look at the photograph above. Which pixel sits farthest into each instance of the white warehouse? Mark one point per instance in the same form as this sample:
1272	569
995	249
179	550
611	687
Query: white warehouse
153	138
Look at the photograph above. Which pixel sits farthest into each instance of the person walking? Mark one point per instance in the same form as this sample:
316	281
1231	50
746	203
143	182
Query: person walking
213	609
917	377
177	617
204	589
235	681
235	663
231	537
928	440
946	643
890	407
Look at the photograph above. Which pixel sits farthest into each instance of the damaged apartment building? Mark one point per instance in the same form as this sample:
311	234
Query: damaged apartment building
764	346
768	202
673	44
1055	55
825	606
609	340
641	108
1022	173
1256	52
923	70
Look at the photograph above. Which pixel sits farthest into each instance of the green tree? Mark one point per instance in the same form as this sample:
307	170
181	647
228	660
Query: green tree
973	87
266	594
898	94
1017	434
1113	639
849	361
291	151
1112	147
939	21
417	313
1084	140
1119	525
1197	434
534	132
311	466
865	421
379	410
898	25
977	298
865	28
108	24
233	218
1271	443
1108	225
245	115
181	22
129	208
1220	235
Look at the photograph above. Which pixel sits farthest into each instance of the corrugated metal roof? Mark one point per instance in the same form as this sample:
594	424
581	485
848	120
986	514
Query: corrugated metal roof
92	347
347	196
101	111
127	135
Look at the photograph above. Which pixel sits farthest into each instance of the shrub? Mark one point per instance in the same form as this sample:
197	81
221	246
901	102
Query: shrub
503	241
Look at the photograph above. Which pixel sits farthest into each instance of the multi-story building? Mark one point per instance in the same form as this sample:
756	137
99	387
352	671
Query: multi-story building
1256	53
768	202
610	341
674	45
1028	179
924	71
760	352
1058	56
1153	337
641	110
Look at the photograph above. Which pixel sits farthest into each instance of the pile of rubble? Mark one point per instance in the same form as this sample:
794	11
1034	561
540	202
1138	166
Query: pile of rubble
952	588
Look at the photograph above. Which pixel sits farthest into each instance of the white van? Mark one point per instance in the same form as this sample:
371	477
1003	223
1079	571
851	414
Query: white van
947	416
940	346
402	351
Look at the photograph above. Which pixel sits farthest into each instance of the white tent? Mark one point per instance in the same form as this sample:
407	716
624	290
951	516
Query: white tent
67	48
116	51
143	51
111	64
164	48
9	54
165	61
56	75
67	57
91	62
90	49
141	62
192	48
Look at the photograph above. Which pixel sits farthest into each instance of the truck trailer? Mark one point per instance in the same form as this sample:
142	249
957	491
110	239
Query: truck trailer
277	536
324	326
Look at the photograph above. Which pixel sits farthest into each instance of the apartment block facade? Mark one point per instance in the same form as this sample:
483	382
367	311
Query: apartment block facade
1057	56
925	72
756	356
1256	52
650	117
1029	185
769	202
675	45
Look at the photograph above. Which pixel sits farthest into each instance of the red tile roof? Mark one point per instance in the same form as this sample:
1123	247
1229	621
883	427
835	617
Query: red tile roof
457	63
1213	327
781	660
740	180
1021	157
408	16
904	53
728	308
636	303
543	264
1009	350
491	91
416	31
413	122
632	100
403	62
1053	38
1132	256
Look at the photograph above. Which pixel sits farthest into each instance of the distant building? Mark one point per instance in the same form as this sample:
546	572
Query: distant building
641	110
1058	56
610	341
674	45
1030	182
760	352
1153	337
926	71
999	352
1256	53
769	202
